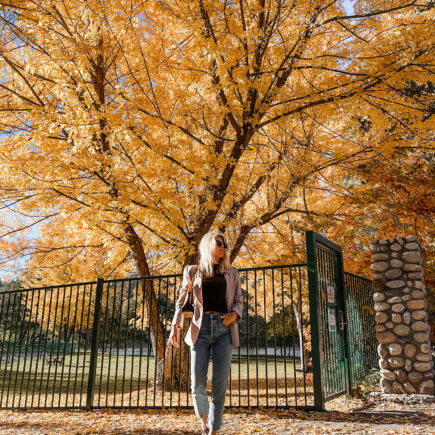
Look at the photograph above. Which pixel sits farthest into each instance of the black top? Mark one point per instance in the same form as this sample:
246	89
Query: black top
214	292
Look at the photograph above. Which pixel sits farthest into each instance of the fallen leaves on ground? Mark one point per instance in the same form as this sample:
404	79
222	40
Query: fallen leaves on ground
344	416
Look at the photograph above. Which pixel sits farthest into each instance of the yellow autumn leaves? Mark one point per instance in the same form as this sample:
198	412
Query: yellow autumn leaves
171	118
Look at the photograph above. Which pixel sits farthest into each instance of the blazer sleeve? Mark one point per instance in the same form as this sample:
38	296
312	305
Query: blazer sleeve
238	300
178	315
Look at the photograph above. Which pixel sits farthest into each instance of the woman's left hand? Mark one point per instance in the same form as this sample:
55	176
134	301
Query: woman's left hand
229	318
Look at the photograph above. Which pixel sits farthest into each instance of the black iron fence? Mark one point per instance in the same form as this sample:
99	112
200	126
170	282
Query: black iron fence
101	344
104	343
45	337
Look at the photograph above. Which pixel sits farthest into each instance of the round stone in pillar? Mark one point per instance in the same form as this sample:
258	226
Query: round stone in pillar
420	326
412	256
409	350
396	362
395	349
426	387
402	330
386	337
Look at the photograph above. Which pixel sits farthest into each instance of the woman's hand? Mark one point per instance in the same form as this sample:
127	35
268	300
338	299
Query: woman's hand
175	336
229	318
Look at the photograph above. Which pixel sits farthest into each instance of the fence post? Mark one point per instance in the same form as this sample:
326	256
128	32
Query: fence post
319	400
94	344
342	296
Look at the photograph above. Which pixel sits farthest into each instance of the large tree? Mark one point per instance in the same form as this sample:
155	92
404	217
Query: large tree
132	127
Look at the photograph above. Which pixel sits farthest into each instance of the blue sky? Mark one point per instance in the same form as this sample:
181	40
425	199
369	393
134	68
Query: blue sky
348	6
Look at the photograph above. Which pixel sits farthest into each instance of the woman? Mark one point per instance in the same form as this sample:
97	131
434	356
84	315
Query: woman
214	327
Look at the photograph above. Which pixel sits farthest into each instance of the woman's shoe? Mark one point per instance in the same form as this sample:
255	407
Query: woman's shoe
205	430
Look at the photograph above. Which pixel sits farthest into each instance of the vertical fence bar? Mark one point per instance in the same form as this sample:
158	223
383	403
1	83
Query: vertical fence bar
94	345
172	354
73	343
20	325
140	288
67	337
3	298
26	351
78	348
103	345
301	344
134	339
50	357
32	342
57	346
118	341
14	317
265	338
41	323
165	340
299	284
149	342
86	339
274	336
47	331
125	342
112	323
319	402
342	296
284	332
248	337
256	335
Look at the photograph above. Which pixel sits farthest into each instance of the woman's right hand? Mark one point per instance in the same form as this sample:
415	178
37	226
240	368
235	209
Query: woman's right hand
175	336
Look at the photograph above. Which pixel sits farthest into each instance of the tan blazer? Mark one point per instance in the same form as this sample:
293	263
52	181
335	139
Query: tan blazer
233	297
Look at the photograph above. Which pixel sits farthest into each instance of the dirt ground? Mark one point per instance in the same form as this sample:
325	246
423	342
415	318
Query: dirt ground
344	416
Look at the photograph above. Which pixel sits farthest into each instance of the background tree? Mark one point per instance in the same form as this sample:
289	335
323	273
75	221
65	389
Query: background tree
136	127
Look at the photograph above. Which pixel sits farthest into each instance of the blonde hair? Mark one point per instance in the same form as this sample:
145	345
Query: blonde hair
207	247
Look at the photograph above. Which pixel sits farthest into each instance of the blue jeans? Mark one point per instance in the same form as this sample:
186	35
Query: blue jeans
213	337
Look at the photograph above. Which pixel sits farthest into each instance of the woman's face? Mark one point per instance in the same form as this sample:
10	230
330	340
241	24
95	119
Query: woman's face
219	251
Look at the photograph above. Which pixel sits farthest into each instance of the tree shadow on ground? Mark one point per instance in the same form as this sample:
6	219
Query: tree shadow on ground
29	427
378	417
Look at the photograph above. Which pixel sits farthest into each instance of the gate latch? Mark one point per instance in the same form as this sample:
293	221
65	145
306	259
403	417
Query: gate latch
341	320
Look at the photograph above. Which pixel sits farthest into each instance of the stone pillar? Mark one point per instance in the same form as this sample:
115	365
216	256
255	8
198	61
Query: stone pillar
401	315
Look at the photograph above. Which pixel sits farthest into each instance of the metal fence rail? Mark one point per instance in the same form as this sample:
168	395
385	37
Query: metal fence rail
90	344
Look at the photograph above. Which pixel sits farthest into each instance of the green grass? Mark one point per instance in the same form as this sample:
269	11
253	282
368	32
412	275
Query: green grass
131	378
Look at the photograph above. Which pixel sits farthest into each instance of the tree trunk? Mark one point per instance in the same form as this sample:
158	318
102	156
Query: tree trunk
177	371
157	329
303	357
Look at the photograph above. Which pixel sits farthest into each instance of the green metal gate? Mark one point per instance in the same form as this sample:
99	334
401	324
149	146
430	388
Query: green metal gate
330	353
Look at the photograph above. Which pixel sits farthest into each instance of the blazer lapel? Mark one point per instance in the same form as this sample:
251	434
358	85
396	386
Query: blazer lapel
229	295
197	287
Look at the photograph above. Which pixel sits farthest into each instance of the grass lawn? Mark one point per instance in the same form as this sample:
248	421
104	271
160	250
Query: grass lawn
126	380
